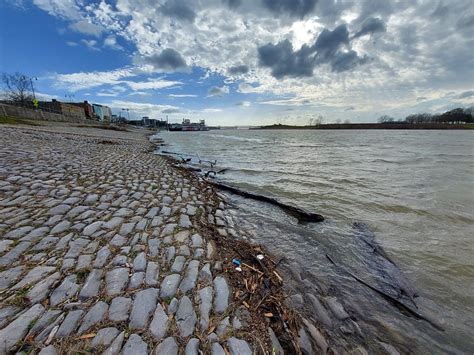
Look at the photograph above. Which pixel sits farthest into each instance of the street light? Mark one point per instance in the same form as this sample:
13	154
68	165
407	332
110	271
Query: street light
128	112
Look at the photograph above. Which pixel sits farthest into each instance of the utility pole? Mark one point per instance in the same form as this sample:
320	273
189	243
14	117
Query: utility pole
70	97
128	112
32	87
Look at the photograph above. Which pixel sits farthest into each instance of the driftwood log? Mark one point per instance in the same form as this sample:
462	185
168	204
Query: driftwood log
300	214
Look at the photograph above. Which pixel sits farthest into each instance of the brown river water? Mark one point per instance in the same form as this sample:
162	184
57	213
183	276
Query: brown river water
412	191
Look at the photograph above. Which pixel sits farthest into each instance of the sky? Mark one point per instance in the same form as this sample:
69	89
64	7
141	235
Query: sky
246	62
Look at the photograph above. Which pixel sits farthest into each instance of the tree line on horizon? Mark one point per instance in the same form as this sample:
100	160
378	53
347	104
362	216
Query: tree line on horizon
457	115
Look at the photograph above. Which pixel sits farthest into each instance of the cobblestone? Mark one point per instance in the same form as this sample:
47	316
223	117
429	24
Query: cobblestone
103	239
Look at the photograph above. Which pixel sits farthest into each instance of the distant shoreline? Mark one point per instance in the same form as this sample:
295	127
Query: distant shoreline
430	126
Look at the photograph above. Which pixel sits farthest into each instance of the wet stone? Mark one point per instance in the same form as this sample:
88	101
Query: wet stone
119	308
67	289
14	254
135	346
47	318
186	317
143	306
336	308
205	297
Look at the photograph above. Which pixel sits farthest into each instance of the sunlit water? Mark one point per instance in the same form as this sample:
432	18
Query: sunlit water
414	189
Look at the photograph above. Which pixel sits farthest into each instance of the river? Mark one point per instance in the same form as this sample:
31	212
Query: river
412	189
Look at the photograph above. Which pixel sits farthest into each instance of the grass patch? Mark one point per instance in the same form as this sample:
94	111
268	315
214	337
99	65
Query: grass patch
16	120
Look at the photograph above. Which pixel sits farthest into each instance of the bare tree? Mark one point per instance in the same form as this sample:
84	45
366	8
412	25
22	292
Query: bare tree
17	87
386	119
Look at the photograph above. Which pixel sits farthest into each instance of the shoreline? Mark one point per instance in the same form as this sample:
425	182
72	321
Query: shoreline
97	226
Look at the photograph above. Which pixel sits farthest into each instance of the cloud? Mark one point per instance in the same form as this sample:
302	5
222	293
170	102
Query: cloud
283	61
170	110
72	44
87	28
331	47
178	9
218	91
181	95
371	25
243	103
111	42
66	9
168	60
466	94
151	84
239	69
298	8
91	44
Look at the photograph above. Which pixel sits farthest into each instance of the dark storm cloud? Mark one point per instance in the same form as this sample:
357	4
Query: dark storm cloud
167	60
371	25
170	110
331	47
239	69
466	94
346	61
178	9
298	8
329	42
284	61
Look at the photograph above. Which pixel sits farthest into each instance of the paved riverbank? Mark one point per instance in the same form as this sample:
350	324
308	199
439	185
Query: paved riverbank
99	249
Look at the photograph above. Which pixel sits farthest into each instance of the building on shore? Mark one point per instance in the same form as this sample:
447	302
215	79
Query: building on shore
102	113
63	108
87	107
187	125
